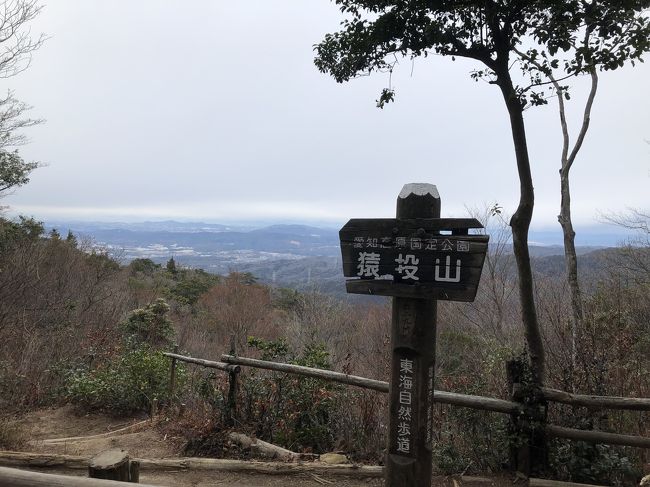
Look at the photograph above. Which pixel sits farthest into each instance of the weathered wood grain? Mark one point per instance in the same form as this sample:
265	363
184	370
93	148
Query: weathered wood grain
418	291
393	226
308	372
263	449
443	397
22	478
110	464
42	460
597	402
207	464
556	483
476	402
598	437
205	363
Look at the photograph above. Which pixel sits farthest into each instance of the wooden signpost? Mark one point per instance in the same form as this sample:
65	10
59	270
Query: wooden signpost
417	258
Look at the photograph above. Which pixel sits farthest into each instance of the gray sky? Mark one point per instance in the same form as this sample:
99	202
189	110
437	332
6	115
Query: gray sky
213	110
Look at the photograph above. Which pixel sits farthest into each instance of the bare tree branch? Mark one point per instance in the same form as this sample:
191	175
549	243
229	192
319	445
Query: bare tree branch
16	42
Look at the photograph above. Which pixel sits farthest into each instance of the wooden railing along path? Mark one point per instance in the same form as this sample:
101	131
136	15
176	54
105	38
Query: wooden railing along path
232	365
452	398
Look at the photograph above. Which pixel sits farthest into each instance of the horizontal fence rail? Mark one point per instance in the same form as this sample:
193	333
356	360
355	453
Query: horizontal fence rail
22	478
480	402
353	380
464	400
598	436
232	364
76	462
205	363
597	402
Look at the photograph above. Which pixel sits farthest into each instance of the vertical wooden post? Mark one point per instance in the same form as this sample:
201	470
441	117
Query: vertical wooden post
519	451
154	408
233	385
172	375
413	344
134	472
231	408
233	345
114	464
528	449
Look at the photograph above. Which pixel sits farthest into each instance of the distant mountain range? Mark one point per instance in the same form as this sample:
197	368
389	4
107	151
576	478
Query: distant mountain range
297	256
213	247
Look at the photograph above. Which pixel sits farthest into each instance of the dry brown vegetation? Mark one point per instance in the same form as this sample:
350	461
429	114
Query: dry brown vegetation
63	308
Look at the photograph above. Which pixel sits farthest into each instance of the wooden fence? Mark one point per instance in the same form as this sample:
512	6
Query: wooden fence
232	365
23	478
462	400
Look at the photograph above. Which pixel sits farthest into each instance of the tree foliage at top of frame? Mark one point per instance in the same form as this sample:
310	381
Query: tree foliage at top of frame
574	36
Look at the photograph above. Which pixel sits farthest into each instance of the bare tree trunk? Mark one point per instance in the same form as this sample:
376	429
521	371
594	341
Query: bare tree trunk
564	217
520	223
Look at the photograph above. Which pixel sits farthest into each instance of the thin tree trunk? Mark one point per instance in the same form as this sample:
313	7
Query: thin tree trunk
520	223
564	218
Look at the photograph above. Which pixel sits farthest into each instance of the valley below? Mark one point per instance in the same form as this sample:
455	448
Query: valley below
300	257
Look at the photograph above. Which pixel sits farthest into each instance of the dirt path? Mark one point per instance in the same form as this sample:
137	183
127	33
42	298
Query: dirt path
63	422
148	442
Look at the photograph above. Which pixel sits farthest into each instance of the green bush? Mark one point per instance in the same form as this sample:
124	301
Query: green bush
145	266
466	439
190	285
16	233
578	461
150	325
295	412
124	385
469	440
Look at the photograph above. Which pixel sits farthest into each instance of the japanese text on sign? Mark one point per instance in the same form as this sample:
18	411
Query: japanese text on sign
411	243
404	411
407	267
368	264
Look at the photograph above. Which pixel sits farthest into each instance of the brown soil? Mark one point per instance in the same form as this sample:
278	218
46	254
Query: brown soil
150	442
65	422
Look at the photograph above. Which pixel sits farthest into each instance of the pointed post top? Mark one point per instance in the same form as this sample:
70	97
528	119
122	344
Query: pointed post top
418	200
419	189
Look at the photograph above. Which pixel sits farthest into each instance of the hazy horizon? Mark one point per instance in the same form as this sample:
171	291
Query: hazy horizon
599	234
213	124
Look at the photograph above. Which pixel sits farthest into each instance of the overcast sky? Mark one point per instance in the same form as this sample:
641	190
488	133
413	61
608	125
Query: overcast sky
213	110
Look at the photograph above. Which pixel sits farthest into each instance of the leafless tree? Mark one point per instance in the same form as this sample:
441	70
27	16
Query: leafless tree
567	158
16	42
496	307
16	48
13	120
591	53
634	219
634	257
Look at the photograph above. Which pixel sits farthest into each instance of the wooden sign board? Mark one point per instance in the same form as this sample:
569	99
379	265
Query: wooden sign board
425	258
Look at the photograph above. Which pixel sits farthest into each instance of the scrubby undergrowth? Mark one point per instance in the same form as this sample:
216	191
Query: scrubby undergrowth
77	326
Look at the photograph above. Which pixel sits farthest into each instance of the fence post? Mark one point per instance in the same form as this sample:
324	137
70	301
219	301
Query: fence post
413	345
154	408
114	464
528	439
233	386
172	374
134	472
